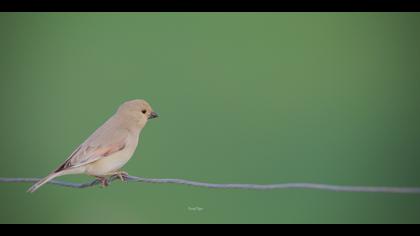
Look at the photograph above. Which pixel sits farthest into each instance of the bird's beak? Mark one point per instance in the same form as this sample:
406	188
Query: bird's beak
153	115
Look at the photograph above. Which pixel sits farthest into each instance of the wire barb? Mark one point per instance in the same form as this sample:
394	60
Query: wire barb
315	186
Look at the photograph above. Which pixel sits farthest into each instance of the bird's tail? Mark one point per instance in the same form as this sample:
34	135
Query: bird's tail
44	181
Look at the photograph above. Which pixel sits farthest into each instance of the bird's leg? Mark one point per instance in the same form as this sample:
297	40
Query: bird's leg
103	180
122	175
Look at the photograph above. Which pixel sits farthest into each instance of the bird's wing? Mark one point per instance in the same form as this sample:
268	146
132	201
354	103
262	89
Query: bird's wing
105	141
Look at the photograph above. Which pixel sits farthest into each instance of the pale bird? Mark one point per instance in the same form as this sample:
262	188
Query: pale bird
109	148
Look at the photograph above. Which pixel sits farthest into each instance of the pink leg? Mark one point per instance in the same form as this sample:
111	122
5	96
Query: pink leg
103	180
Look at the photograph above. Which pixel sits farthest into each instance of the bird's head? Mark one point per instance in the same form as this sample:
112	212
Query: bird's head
137	110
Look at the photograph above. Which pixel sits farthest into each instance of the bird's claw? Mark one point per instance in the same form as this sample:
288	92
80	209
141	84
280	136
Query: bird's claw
104	182
123	176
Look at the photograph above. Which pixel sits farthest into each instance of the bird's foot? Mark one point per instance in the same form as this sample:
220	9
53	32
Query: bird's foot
123	176
104	181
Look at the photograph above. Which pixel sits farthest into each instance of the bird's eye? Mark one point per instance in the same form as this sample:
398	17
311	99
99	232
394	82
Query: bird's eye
143	111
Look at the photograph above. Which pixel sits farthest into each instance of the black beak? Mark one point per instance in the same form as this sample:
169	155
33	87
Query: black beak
153	115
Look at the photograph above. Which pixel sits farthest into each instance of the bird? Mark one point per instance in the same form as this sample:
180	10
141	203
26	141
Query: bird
109	148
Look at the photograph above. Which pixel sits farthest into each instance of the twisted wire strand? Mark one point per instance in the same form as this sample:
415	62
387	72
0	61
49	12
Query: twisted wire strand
314	186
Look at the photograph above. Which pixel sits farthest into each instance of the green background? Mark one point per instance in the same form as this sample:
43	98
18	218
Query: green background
243	98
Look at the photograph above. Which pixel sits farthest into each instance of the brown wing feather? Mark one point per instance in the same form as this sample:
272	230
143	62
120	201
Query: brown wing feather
91	155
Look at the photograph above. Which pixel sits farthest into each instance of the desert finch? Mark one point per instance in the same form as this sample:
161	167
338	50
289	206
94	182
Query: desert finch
109	148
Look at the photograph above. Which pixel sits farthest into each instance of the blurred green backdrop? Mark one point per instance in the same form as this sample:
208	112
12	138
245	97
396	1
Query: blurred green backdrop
243	98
